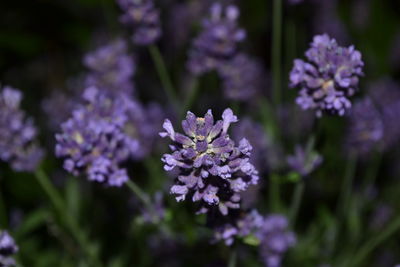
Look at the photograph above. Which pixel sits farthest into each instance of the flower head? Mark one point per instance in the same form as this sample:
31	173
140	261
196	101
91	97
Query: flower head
365	127
212	169
17	133
7	249
101	134
242	78
304	161
329	77
110	67
144	18
218	40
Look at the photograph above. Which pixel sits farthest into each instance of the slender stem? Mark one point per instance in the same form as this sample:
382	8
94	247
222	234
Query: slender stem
190	98
276	51
296	202
3	214
163	75
274	193
372	171
232	258
139	193
347	185
373	243
61	209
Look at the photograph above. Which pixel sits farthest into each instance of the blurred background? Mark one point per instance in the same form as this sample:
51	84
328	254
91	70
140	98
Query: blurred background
42	45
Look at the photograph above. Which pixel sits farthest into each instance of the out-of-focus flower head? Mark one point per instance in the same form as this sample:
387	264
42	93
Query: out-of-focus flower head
18	134
212	169
218	40
57	107
329	78
385	94
304	161
144	18
157	213
111	68
7	249
101	134
295	2
365	127
271	233
257	136
243	78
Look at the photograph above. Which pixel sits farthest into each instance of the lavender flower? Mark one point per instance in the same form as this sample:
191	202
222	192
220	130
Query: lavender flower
7	249
386	95
212	169
144	18
17	133
365	127
242	78
329	78
157	213
111	68
261	143
218	41
57	107
102	134
270	232
304	161
275	239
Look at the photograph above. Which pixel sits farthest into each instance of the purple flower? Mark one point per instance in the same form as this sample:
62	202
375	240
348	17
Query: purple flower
386	95
144	19
17	133
218	40
212	169
329	77
304	161
102	134
57	107
7	249
111	68
270	233
243	78
157	213
365	127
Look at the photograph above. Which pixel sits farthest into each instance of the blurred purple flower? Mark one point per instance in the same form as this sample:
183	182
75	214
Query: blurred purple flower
57	107
144	18
380	216
304	161
157	213
18	134
218	40
365	127
7	249
243	78
212	169
101	134
385	94
271	233
111	68
329	78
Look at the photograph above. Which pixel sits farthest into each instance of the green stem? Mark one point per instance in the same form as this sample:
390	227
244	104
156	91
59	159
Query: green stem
276	53
347	186
61	209
296	202
373	243
194	88
232	258
274	193
163	75
139	193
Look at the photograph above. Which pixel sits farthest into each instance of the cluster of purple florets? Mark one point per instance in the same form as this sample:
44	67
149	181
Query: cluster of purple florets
102	134
7	249
211	168
144	18
18	134
329	78
270	232
111	67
